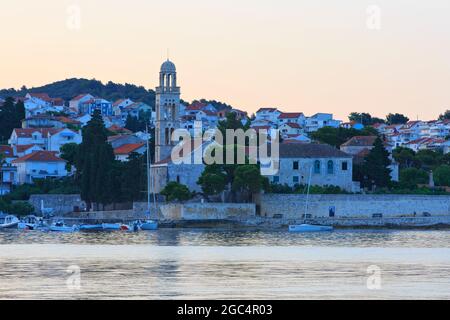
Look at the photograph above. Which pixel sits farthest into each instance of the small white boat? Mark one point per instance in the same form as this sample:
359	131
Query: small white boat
149	225
309	228
61	227
10	222
29	223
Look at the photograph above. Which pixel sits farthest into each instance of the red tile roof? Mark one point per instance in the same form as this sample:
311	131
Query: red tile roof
42	96
128	148
79	97
293	125
267	110
360	141
28	132
290	115
40	156
24	147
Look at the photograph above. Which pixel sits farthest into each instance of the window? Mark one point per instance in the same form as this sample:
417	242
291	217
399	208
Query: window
295	165
317	167
344	166
276	179
295	179
330	167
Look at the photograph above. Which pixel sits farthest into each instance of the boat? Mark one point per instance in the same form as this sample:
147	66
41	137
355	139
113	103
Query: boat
10	222
309	228
149	225
91	227
305	227
61	227
29	223
115	227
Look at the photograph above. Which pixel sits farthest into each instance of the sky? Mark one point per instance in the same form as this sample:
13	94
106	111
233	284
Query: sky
335	56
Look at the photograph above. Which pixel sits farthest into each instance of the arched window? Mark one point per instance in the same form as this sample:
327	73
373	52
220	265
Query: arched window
166	136
330	167
317	167
171	134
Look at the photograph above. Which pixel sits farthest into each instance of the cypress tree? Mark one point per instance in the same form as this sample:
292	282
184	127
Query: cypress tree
375	167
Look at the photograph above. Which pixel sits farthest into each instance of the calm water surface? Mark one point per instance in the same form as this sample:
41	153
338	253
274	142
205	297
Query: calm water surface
220	264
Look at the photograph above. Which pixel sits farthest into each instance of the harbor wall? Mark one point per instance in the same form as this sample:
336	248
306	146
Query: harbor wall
208	211
60	203
292	206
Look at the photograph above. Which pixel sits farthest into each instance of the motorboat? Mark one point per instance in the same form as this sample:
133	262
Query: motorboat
10	222
115	227
149	225
29	223
61	227
91	227
309	228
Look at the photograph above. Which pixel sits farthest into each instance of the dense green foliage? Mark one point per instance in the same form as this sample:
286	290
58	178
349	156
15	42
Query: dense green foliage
411	177
302	189
337	136
212	180
69	88
445	115
364	118
175	191
442	175
11	116
396	118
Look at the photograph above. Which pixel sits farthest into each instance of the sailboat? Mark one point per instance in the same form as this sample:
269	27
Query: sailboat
305	227
9	222
149	224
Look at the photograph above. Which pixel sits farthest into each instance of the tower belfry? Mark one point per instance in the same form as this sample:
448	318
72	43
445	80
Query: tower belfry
167	110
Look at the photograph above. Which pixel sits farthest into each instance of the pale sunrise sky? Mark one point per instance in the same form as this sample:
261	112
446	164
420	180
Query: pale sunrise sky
298	55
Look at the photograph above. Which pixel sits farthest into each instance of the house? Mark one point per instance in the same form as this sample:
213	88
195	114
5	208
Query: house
89	106
352	125
426	143
120	140
208	118
8	173
357	144
39	165
319	163
123	152
50	139
120	104
446	147
296	138
74	104
136	110
320	120
267	114
21	150
42	121
291	117
41	103
115	129
290	129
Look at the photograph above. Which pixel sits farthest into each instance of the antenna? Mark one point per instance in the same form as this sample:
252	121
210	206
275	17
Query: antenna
168	54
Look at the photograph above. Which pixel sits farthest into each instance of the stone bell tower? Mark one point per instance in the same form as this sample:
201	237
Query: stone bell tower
167	110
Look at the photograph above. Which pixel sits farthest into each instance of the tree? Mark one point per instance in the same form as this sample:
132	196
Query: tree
248	179
69	153
445	116
411	177
428	159
213	180
396	118
132	174
11	116
375	166
93	162
405	157
442	175
176	191
337	136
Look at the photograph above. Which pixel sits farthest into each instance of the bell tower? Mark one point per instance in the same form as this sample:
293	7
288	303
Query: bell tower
167	110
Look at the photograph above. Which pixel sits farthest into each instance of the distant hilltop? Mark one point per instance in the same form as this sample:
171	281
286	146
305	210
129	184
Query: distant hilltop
70	88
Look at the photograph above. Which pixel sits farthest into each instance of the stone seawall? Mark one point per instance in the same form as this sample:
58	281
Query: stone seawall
209	211
60	203
292	206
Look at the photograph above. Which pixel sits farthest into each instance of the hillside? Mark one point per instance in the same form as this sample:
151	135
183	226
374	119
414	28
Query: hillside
69	88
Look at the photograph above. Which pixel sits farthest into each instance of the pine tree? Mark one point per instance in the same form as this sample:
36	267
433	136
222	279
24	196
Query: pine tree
94	162
376	167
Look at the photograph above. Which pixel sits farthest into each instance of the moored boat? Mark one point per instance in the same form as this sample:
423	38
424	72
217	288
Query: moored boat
91	227
115	227
149	225
9	222
61	227
30	222
309	228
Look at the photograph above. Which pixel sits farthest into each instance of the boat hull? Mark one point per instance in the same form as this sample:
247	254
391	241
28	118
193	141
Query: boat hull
63	229
9	225
150	225
309	228
93	227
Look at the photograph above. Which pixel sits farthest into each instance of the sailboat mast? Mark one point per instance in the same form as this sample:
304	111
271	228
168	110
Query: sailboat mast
307	193
148	173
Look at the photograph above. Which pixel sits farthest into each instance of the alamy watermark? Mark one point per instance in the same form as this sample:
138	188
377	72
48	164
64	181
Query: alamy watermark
73	21
373	21
374	279
73	282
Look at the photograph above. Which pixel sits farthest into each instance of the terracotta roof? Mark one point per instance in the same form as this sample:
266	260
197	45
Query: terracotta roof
7	151
118	102
116	128
128	148
68	120
40	156
28	132
24	147
290	115
360	141
267	110
293	125
42	96
79	97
